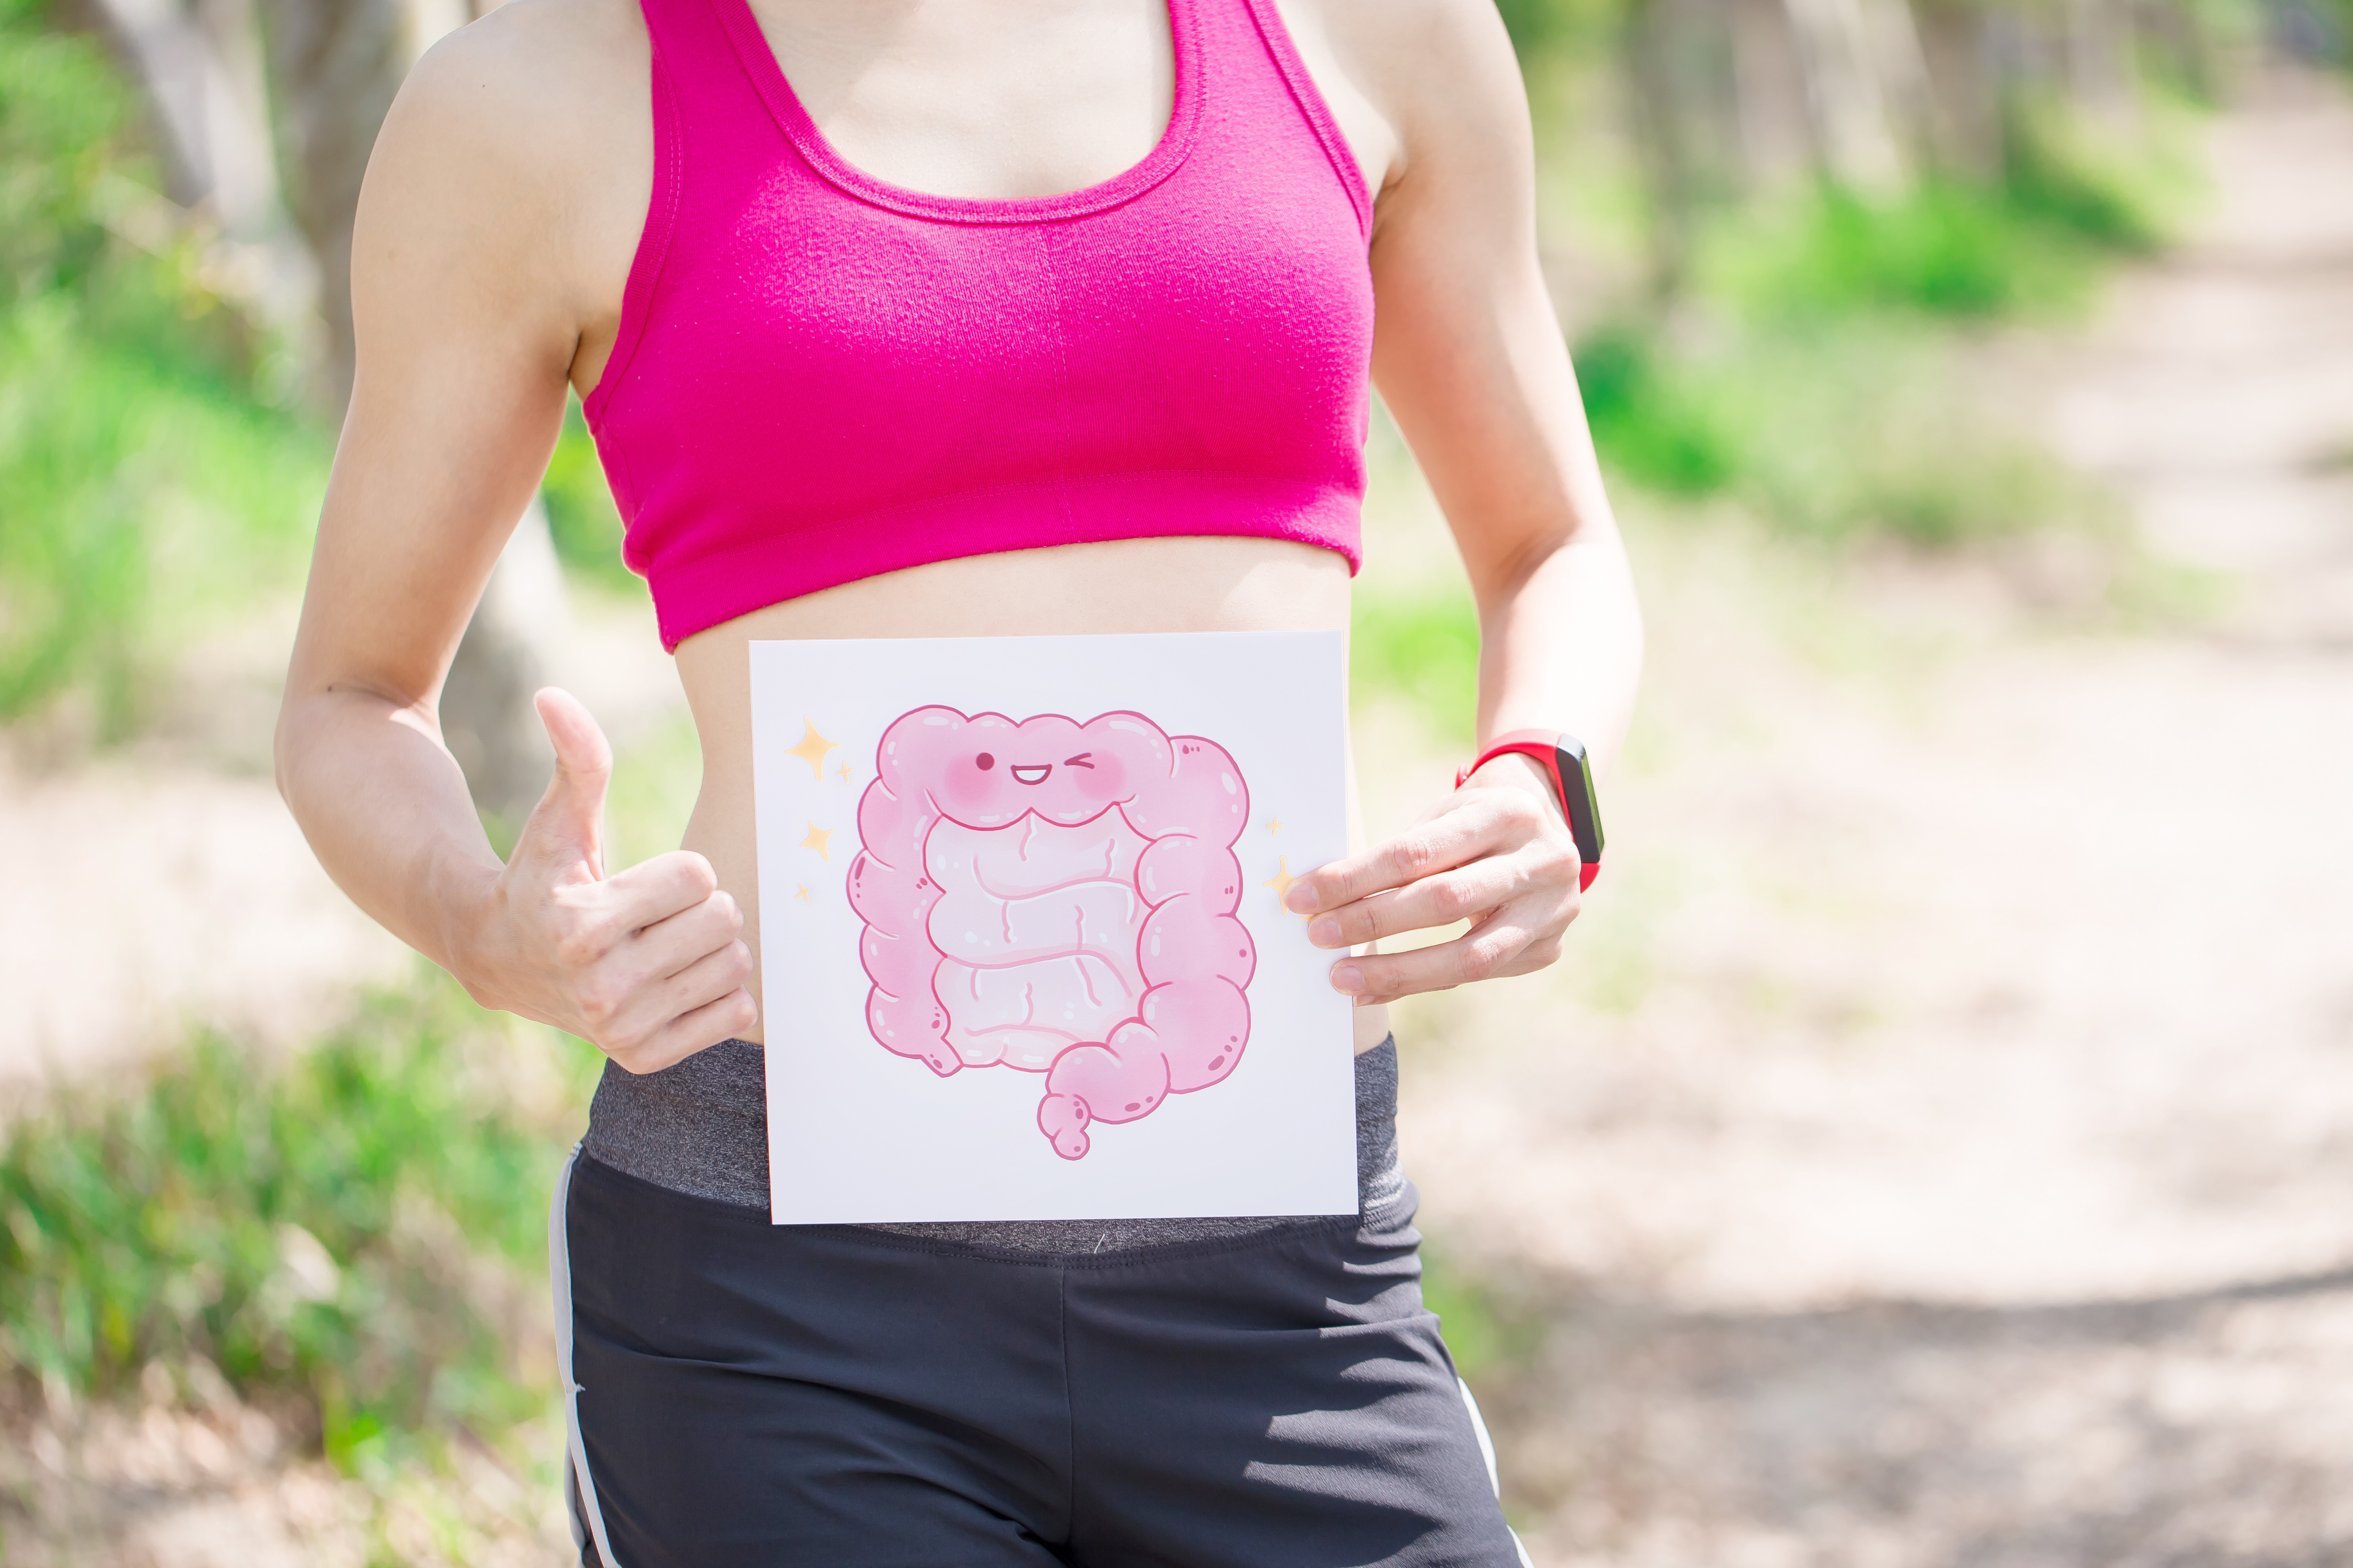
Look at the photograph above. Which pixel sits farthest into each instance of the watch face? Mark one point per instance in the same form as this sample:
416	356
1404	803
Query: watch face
1577	795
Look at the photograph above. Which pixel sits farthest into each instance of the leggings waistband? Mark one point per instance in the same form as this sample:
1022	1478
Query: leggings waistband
702	1127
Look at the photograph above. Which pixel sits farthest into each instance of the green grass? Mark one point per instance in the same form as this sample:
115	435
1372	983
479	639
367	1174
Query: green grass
354	1234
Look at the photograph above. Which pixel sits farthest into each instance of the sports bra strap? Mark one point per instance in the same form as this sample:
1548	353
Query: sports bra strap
820	377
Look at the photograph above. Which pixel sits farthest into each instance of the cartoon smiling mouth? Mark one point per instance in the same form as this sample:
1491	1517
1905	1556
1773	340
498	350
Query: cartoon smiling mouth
1030	774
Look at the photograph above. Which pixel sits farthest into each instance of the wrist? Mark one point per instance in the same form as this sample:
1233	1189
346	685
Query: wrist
469	901
1560	761
1517	770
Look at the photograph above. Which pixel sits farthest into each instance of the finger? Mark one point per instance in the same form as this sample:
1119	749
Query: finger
1439	845
1463	894
568	824
706	980
668	946
647	1007
699	1029
1494	948
653	890
601	923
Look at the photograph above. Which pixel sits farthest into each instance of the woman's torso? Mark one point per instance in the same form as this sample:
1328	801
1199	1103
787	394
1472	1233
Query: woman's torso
1018	100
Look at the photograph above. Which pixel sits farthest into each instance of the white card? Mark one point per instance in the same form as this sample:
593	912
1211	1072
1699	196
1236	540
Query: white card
1023	951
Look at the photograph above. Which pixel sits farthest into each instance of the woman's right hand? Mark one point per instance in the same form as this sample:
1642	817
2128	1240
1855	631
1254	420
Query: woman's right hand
648	965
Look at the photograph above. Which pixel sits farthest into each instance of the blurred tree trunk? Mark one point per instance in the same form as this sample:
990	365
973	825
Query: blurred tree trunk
201	77
2179	29
198	68
486	715
211	71
2100	69
1956	53
1902	65
336	66
1662	130
1842	48
1769	89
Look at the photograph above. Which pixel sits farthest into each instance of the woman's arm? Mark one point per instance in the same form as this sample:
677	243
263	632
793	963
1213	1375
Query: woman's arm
1469	356
477	265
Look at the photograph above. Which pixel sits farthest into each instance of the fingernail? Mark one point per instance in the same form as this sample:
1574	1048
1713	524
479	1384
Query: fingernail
1325	932
1299	899
1348	977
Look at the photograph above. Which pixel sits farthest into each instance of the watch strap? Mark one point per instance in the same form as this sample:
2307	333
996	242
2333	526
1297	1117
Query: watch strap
1562	757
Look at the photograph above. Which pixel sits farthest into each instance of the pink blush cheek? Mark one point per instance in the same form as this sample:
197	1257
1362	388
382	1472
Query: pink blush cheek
1102	785
969	793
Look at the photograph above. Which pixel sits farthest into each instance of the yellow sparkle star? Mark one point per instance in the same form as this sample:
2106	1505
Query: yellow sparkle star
1274	825
844	771
813	749
1281	882
803	894
817	840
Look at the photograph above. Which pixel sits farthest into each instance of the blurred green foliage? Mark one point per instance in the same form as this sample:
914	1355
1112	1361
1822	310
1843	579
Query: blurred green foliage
1943	248
581	515
357	1230
1488	1332
1422	650
2319	28
146	490
1809	367
2036	242
1811	378
1813	375
1655	420
1543	26
1828	433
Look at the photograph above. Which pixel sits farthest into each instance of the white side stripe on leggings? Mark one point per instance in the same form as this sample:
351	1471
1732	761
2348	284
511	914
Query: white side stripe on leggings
559	1273
1487	1452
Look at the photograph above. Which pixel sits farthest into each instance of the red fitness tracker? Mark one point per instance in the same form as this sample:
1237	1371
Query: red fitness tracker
1563	757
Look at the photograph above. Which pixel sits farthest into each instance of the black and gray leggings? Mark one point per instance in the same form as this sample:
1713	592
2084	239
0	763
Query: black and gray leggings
1268	1392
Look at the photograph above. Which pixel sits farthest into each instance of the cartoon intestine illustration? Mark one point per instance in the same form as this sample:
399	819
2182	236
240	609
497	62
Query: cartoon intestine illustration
1057	898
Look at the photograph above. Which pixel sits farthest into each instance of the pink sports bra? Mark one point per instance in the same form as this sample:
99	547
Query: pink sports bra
820	377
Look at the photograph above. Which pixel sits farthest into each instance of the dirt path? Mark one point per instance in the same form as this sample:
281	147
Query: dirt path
1936	1153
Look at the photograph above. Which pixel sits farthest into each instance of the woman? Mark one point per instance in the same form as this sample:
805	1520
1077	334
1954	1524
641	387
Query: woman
900	319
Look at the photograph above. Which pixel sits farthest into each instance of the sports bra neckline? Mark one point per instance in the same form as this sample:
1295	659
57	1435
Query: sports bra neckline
776	90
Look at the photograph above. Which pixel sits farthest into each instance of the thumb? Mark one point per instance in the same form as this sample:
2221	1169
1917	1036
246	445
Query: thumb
569	821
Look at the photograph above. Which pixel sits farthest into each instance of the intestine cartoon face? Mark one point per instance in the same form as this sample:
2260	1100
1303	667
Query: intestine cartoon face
1055	898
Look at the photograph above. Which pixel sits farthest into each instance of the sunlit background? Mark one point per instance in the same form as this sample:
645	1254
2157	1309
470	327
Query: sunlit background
1935	1147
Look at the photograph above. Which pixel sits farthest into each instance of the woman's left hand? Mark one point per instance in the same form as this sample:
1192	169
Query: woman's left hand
1497	852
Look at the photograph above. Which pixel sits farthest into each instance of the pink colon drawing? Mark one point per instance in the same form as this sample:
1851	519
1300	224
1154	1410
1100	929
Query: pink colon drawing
1057	898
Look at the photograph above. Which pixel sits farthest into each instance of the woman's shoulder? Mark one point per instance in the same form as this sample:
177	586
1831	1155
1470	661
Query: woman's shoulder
520	150
533	79
1432	72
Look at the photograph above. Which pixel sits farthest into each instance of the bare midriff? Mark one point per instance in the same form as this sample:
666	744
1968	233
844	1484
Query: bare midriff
1167	585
